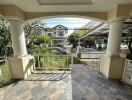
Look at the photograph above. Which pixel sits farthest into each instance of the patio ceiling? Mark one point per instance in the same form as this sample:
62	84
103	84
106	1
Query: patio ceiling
64	5
65	2
102	10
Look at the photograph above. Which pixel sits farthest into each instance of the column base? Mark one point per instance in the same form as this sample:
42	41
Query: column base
112	67
19	67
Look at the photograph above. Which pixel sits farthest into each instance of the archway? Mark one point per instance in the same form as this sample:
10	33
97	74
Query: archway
67	15
70	16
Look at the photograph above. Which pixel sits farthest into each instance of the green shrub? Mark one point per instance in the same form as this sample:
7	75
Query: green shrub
75	60
79	55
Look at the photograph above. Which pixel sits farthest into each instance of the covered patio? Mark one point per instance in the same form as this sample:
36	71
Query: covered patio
80	83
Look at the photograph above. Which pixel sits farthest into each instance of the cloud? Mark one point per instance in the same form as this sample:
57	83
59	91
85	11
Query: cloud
69	22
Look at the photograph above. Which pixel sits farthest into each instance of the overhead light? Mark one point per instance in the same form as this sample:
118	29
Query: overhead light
65	2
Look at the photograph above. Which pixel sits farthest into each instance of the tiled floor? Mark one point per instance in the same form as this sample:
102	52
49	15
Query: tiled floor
81	84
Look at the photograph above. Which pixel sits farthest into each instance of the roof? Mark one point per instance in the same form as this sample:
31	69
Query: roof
103	29
60	25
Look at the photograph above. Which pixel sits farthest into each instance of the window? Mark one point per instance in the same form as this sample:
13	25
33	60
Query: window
49	34
61	34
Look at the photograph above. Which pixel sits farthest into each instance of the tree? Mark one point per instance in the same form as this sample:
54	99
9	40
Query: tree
88	43
32	31
73	39
83	32
5	37
36	38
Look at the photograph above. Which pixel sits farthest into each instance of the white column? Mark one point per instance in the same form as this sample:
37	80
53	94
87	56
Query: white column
18	38
114	38
112	65
19	64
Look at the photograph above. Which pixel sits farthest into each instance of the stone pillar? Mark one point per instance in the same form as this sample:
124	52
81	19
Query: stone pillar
0	74
18	38
18	64
114	38
78	53
112	65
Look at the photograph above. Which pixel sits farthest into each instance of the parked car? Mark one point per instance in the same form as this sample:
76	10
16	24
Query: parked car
123	46
104	46
101	46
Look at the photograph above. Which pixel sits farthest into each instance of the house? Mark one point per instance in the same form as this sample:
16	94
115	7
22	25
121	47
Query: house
59	34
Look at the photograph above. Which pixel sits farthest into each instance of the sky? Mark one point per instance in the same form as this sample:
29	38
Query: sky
69	22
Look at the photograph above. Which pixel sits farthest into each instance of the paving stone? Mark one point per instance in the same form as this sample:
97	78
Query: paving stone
81	84
10	96
25	96
91	95
77	95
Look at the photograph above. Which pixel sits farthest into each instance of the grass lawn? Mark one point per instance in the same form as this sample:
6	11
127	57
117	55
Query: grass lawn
48	61
53	61
5	74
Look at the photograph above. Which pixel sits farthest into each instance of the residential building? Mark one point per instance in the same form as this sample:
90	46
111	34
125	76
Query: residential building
59	34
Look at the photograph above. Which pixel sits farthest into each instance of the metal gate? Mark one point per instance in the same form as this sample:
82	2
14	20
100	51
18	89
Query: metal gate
92	58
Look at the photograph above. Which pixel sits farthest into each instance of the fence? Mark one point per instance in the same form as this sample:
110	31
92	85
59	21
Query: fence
92	58
52	62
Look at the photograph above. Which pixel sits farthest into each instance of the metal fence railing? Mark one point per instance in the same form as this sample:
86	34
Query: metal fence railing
92	58
51	62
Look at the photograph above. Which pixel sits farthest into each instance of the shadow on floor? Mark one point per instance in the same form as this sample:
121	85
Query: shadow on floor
80	84
48	76
6	83
88	85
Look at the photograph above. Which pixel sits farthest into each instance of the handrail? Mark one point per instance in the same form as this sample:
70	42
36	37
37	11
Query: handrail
51	62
